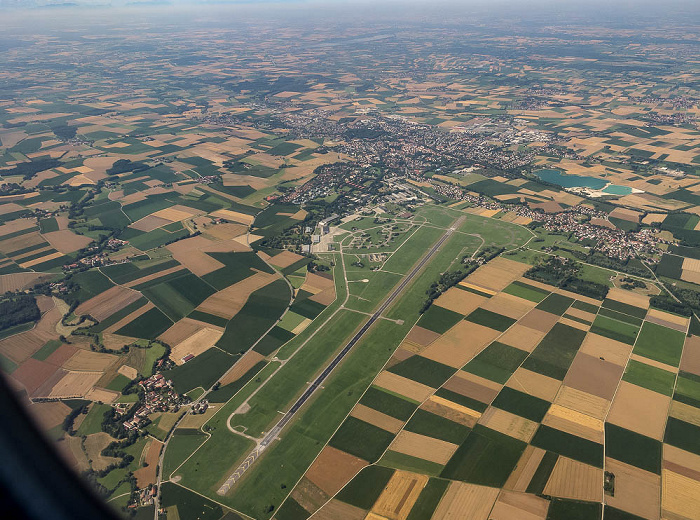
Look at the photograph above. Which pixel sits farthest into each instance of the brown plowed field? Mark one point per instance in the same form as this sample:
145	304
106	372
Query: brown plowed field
640	410
332	469
66	241
247	361
147	475
593	375
107	303
378	419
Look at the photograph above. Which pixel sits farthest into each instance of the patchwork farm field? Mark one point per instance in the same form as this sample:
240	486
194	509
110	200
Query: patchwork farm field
529	426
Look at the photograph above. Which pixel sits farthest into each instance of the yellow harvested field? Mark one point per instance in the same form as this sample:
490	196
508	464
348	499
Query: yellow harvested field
691	264
89	361
454	406
403	386
667	316
229	231
42	259
459	300
535	384
654	218
378	419
574	324
639	410
525	469
509	305
582	402
102	395
199	342
235	216
460	344
685	412
690	276
399	495
477	287
509	424
94	444
182	330
636	491
128	371
107	303
176	213
462	501
575	423
196	421
629	297
228	302
65	241
75	384
450	413
285	259
679	496
610	350
519	506
498	273
575	480
301	327
522	337
423	447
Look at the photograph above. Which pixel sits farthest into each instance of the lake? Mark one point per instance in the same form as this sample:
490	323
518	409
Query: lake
580	181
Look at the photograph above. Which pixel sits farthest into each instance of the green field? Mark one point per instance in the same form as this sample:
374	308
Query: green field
496	362
361	439
490	319
521	404
423	370
569	445
388	403
649	377
428	499
614	329
660	344
432	425
364	490
526	291
181	445
93	421
555	303
487	458
439	319
555	353
149	325
632	448
396	460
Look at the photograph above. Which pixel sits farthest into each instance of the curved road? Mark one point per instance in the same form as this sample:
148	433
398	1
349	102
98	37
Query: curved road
274	432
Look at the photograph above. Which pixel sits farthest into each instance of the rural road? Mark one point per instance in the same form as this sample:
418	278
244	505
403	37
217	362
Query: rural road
274	432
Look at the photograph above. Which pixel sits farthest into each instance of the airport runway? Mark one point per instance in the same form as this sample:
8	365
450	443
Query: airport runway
274	432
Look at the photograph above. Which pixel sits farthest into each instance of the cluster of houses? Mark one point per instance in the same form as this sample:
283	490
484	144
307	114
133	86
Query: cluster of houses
159	397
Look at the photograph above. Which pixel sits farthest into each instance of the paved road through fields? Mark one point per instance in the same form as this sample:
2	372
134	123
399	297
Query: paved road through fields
274	432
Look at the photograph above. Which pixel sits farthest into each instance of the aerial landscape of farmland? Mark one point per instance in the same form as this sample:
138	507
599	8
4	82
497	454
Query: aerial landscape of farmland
334	263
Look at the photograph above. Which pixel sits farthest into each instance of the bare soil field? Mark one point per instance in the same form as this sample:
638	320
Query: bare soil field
32	374
535	384
539	320
49	414
640	410
593	375
403	386
147	475
690	361
421	336
610	350
247	361
460	344
378	419
17	281
522	337
463	500
332	469
336	509
284	259
519	506
473	386
66	241
636	491
509	424
149	223
102	395
229	301
521	476
575	480
509	305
